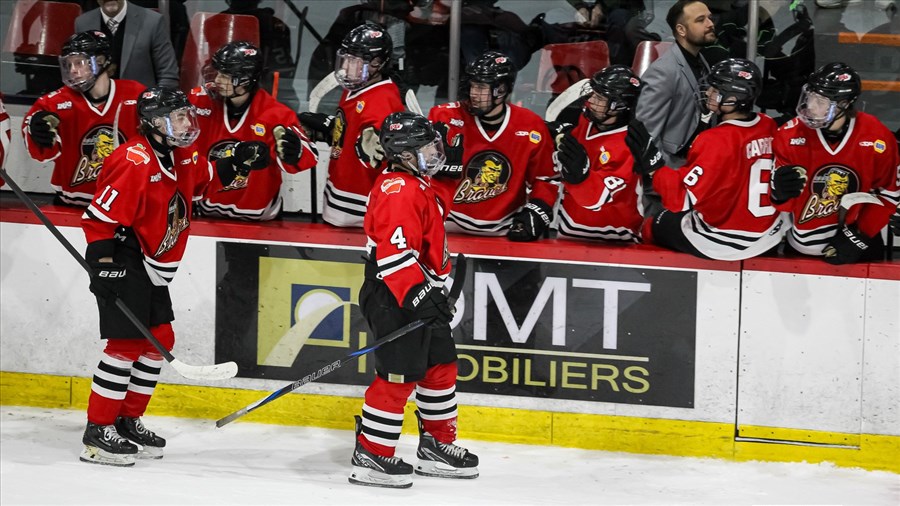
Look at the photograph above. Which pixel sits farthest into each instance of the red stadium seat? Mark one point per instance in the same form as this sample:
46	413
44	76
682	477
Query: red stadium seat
40	28
646	52
563	65
209	32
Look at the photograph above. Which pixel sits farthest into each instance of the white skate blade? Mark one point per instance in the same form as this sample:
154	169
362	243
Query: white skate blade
441	470
372	478
94	455
150	452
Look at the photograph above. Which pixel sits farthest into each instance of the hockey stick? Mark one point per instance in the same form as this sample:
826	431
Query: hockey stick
564	99
327	84
458	281
412	103
116	126
195	372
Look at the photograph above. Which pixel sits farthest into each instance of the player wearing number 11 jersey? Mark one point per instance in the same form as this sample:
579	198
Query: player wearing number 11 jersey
717	205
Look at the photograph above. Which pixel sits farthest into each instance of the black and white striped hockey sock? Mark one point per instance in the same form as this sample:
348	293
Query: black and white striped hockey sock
381	429
108	389
144	375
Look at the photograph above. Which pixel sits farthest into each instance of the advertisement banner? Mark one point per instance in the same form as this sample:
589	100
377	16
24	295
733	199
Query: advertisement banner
523	327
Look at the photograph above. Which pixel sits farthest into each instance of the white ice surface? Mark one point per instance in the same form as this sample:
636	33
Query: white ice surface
246	463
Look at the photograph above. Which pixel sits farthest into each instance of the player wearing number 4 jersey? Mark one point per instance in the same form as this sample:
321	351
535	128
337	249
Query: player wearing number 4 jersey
717	205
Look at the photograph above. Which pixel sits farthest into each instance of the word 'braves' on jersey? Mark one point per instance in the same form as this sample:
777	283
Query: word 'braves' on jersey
501	170
86	136
405	226
725	185
136	191
866	160
607	205
257	196
349	179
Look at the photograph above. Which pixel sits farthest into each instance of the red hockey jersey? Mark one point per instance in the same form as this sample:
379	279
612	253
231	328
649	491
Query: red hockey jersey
405	225
258	197
4	136
606	205
725	185
136	191
866	160
501	170
85	136
349	179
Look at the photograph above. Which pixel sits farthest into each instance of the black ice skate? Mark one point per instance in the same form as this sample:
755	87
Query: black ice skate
151	445
377	471
443	460
104	445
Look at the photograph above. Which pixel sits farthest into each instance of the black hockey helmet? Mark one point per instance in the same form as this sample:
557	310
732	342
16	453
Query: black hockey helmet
168	112
828	94
409	140
239	60
363	53
619	85
492	68
78	59
738	81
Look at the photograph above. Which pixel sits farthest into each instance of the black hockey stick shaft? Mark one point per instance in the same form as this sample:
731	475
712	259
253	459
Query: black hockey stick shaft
458	281
179	366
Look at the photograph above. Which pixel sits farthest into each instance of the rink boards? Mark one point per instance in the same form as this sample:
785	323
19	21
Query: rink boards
560	343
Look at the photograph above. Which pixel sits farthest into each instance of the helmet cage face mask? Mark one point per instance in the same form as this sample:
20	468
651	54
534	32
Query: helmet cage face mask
599	107
352	71
425	160
179	127
491	93
80	70
816	110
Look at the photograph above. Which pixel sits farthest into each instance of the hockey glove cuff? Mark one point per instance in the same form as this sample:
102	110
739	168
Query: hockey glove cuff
647	156
572	160
846	247
42	126
429	304
787	182
531	222
453	149
368	148
318	126
558	129
106	278
287	144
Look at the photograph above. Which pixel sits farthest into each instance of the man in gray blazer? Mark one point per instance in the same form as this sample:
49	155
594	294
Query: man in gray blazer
669	104
141	47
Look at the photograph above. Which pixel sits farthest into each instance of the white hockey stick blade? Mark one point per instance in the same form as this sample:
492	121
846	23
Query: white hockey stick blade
116	126
327	84
564	99
412	103
851	199
205	372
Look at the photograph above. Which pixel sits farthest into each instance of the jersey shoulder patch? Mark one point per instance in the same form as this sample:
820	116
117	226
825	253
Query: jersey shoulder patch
392	185
138	154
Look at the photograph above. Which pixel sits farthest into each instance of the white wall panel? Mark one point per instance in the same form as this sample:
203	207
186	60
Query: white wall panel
881	367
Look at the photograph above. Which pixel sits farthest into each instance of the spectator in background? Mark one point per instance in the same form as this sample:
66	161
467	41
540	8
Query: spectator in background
140	43
179	24
274	36
75	126
669	104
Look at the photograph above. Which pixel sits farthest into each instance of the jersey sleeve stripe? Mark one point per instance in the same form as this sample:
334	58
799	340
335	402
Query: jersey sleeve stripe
93	212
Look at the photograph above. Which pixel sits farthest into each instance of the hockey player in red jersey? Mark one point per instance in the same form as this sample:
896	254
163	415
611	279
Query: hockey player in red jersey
233	108
369	96
507	183
601	192
4	136
828	151
75	126
717	204
137	226
407	266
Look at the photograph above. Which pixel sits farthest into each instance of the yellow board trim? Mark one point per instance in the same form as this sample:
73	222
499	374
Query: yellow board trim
593	432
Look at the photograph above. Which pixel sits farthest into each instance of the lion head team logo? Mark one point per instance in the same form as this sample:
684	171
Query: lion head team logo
177	221
224	149
337	134
828	185
486	176
96	145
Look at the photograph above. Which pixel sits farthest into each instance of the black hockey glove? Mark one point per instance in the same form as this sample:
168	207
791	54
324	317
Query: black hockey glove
572	160
287	144
558	129
245	156
453	148
318	126
429	304
787	182
647	156
894	223
846	247
368	148
529	224
106	277
43	128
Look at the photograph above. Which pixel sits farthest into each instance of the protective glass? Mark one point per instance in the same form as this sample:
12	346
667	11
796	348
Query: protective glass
79	71
431	157
815	110
352	72
180	126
